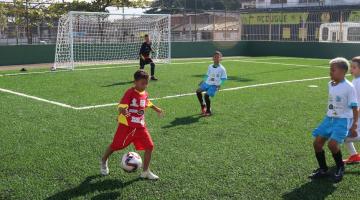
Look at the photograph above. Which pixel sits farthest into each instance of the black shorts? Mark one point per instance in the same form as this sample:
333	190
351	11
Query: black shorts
146	61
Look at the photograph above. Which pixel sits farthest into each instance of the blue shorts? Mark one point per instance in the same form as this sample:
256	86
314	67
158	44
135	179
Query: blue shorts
209	89
333	128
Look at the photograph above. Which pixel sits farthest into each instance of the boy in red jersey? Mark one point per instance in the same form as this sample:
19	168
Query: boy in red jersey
132	127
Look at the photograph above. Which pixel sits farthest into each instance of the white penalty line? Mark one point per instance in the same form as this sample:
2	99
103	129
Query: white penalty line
37	98
226	89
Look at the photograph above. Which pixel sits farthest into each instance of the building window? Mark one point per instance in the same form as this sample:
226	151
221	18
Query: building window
278	1
325	34
354	34
309	1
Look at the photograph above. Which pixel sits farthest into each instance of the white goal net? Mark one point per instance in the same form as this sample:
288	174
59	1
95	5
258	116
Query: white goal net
92	38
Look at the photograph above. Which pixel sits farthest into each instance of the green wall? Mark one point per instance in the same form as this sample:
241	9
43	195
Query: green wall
31	54
303	49
206	49
26	54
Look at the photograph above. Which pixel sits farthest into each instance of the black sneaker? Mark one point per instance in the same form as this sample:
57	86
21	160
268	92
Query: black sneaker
339	173
153	78
207	114
318	173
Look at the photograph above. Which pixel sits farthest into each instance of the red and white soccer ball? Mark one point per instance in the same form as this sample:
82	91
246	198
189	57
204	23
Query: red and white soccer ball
131	161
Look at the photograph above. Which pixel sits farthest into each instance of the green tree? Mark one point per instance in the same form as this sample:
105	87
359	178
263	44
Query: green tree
32	13
175	6
3	17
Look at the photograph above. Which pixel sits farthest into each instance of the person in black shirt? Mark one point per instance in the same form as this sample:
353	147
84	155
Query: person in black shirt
145	59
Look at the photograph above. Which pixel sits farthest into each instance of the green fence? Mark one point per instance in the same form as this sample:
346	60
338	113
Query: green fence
32	54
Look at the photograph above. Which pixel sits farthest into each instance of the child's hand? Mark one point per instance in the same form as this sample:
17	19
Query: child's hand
353	132
218	87
160	112
125	112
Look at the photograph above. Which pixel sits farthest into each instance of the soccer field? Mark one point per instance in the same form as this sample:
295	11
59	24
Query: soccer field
257	145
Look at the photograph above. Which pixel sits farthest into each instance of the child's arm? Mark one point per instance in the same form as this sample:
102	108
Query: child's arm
221	83
204	79
354	126
157	109
223	79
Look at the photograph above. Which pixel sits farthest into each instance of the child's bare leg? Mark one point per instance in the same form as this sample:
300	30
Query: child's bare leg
104	169
333	146
107	153
146	171
319	143
147	158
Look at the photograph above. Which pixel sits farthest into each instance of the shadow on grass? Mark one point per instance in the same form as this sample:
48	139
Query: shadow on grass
316	189
231	78
92	184
118	83
178	121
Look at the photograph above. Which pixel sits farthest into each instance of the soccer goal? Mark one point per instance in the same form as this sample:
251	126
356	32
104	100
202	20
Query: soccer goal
93	38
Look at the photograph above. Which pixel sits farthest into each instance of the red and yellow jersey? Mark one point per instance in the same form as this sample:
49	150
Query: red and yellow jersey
135	102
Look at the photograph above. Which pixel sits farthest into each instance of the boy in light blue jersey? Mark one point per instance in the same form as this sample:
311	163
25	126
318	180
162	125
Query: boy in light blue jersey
349	141
214	78
341	118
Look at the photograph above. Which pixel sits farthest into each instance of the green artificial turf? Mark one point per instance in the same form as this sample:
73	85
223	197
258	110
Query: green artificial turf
257	145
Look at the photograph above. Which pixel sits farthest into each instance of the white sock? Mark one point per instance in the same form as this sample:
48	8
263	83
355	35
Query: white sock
351	148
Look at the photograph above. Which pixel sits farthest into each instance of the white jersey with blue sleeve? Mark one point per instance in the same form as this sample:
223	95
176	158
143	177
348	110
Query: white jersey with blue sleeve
216	74
356	83
342	98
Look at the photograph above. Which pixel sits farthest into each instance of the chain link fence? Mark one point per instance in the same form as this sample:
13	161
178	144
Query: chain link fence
279	25
17	35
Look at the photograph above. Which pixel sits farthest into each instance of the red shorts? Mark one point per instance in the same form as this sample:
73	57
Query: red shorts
126	135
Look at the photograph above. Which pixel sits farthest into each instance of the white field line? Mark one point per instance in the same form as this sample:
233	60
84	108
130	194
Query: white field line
154	99
36	98
226	89
176	63
284	64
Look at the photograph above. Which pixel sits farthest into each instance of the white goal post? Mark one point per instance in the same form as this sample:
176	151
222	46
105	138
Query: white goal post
93	38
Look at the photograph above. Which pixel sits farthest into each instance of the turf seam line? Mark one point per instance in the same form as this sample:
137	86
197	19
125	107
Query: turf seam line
154	99
130	66
285	64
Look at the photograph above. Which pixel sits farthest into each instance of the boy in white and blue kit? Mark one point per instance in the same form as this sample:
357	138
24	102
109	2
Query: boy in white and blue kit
349	141
215	77
341	118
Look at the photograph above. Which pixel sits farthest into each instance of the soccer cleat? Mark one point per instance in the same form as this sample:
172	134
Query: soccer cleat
353	159
203	109
104	168
207	114
153	78
148	175
318	173
338	176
